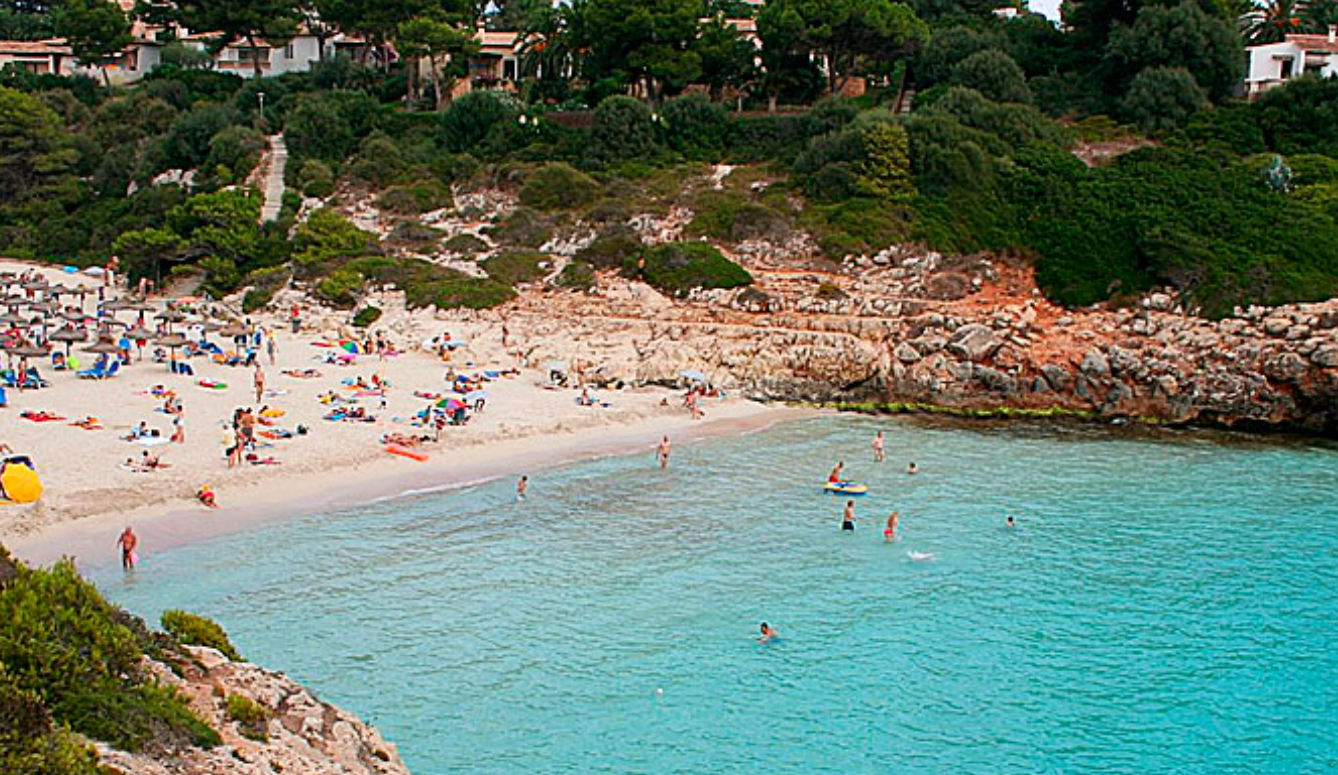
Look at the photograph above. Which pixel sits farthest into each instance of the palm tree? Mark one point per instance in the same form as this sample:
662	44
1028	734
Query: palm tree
1273	21
1319	15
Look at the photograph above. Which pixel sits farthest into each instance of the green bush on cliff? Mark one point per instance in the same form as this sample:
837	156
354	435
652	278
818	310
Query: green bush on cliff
194	630
31	741
63	646
426	284
250	717
558	186
679	267
515	268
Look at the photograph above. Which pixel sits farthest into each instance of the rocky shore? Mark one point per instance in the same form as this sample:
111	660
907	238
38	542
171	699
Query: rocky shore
292	732
970	332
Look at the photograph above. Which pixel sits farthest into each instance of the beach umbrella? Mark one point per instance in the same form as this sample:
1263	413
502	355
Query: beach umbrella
69	336
19	482
451	404
233	330
169	316
24	350
116	305
103	346
36	285
138	333
692	375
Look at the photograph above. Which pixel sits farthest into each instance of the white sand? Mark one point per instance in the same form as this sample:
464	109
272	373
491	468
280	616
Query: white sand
89	497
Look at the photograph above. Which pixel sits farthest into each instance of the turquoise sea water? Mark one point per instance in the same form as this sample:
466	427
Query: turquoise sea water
1166	604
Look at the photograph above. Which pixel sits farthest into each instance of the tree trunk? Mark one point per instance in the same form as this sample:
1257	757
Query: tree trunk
255	55
771	103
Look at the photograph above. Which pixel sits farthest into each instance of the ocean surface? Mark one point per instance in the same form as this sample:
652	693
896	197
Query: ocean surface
1167	603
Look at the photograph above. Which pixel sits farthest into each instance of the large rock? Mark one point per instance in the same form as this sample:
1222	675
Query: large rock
906	353
975	342
1094	364
1326	356
1057	376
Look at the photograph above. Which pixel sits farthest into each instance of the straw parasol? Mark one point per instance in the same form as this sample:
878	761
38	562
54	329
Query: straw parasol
28	351
170	316
233	330
138	333
69	336
103	346
13	319
36	285
172	342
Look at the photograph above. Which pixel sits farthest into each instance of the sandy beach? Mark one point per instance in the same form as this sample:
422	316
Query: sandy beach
90	494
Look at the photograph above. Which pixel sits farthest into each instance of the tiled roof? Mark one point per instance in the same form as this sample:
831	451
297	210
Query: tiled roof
35	47
1314	43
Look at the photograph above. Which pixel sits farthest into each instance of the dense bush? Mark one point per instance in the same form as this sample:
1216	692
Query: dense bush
1163	98
31	742
623	130
558	186
468	120
615	247
523	228
234	153
194	630
730	217
576	276
420	196
679	267
516	268
366	316
63	645
250	717
327	237
315	179
426	284
696	127
994	74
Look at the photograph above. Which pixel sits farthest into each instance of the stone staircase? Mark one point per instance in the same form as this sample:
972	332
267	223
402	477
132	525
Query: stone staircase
274	188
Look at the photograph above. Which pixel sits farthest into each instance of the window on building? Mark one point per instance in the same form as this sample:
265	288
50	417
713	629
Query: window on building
1286	69
509	69
288	51
252	55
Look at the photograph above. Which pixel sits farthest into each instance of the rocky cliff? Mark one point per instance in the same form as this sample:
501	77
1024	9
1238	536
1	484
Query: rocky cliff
287	730
973	332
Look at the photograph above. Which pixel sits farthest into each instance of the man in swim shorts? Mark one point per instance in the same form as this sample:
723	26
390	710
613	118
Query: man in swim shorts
128	541
890	532
662	452
848	516
878	452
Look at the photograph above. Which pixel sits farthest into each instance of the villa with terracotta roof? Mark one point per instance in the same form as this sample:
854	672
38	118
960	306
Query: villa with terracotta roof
1273	64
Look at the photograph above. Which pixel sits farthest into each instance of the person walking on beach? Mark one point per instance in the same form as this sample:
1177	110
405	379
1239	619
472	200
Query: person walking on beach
890	532
295	317
272	349
521	487
260	382
230	444
662	452
878	452
848	516
127	542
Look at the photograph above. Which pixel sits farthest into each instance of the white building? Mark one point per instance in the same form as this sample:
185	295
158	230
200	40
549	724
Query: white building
1274	64
265	59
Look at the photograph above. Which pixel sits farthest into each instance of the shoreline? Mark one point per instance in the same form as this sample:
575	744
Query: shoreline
90	540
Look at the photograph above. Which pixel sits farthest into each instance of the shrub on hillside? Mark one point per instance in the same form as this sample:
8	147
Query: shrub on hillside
342	287
557	186
615	247
676	268
623	131
523	228
516	268
994	74
315	179
236	149
468	120
420	196
696	127
1163	98
250	717
194	630
62	643
576	276
366	316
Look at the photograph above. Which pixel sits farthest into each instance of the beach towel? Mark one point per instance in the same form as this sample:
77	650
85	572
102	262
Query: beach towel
152	441
210	384
28	414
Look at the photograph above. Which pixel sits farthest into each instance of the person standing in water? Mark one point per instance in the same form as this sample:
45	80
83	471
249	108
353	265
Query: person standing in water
890	532
878	452
662	452
1010	522
521	487
848	516
127	542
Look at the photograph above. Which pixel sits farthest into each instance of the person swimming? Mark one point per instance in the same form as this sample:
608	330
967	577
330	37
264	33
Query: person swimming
848	516
922	556
890	532
911	469
835	476
1010	522
767	633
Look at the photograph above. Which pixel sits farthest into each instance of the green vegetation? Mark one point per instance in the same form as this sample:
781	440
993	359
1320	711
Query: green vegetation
983	163
366	316
679	267
516	268
250	717
194	630
72	663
